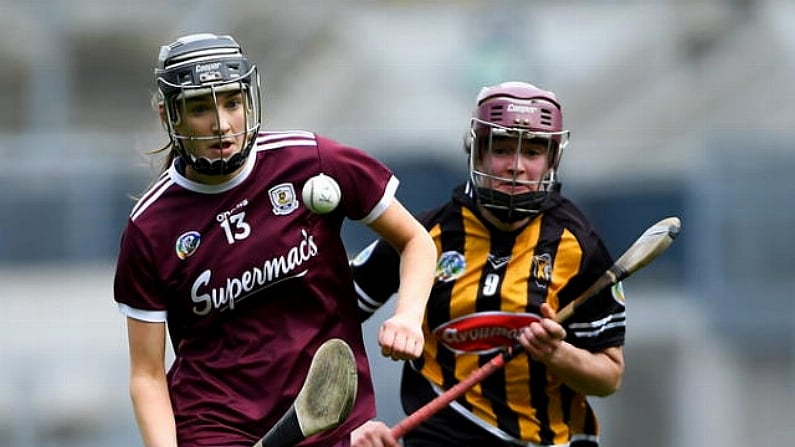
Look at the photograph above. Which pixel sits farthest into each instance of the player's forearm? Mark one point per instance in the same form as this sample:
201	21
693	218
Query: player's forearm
417	267
153	411
597	374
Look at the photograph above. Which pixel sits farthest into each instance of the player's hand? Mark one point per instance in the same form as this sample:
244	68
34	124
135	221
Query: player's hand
400	338
373	434
542	338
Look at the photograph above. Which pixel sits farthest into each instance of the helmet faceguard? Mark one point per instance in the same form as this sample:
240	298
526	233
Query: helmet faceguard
200	65
524	116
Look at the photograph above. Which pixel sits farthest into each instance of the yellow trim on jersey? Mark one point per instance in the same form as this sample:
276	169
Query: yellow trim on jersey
555	410
476	253
565	266
514	285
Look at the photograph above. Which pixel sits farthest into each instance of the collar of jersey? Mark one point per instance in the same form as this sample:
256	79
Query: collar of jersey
204	188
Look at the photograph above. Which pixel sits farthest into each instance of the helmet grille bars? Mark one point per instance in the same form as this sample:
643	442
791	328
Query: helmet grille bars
207	64
524	113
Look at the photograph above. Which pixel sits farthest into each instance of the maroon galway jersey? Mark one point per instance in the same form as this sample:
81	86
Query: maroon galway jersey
250	283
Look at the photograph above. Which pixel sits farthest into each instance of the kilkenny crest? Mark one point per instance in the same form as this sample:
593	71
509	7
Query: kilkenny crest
542	270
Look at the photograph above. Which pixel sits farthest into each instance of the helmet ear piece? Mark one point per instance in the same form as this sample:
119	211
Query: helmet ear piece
468	140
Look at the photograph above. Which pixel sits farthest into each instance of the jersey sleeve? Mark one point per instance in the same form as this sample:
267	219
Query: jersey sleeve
600	322
136	286
376	276
367	185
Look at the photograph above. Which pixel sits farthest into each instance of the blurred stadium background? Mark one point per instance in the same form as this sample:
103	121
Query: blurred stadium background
676	107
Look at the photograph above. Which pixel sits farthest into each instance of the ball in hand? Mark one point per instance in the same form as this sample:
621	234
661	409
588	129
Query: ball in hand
321	194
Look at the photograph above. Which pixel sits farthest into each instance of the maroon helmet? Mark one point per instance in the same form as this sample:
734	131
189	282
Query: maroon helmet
521	112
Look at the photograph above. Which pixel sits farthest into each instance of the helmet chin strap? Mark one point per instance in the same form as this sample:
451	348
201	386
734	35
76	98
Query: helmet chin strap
216	167
220	166
511	208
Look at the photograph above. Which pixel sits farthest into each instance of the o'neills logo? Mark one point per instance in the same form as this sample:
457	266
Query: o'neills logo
250	281
483	332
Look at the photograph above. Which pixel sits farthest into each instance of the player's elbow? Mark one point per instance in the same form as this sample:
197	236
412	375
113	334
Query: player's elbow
607	388
613	373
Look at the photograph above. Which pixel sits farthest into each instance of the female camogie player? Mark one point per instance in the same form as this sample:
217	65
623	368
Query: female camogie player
512	250
221	254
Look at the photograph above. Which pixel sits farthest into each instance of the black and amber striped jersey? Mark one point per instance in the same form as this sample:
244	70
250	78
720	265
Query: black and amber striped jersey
490	283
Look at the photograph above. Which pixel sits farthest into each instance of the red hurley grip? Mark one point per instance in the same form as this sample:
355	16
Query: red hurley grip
432	407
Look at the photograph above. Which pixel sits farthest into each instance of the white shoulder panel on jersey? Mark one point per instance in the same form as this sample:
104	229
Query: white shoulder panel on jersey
150	316
278	139
386	199
149	197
